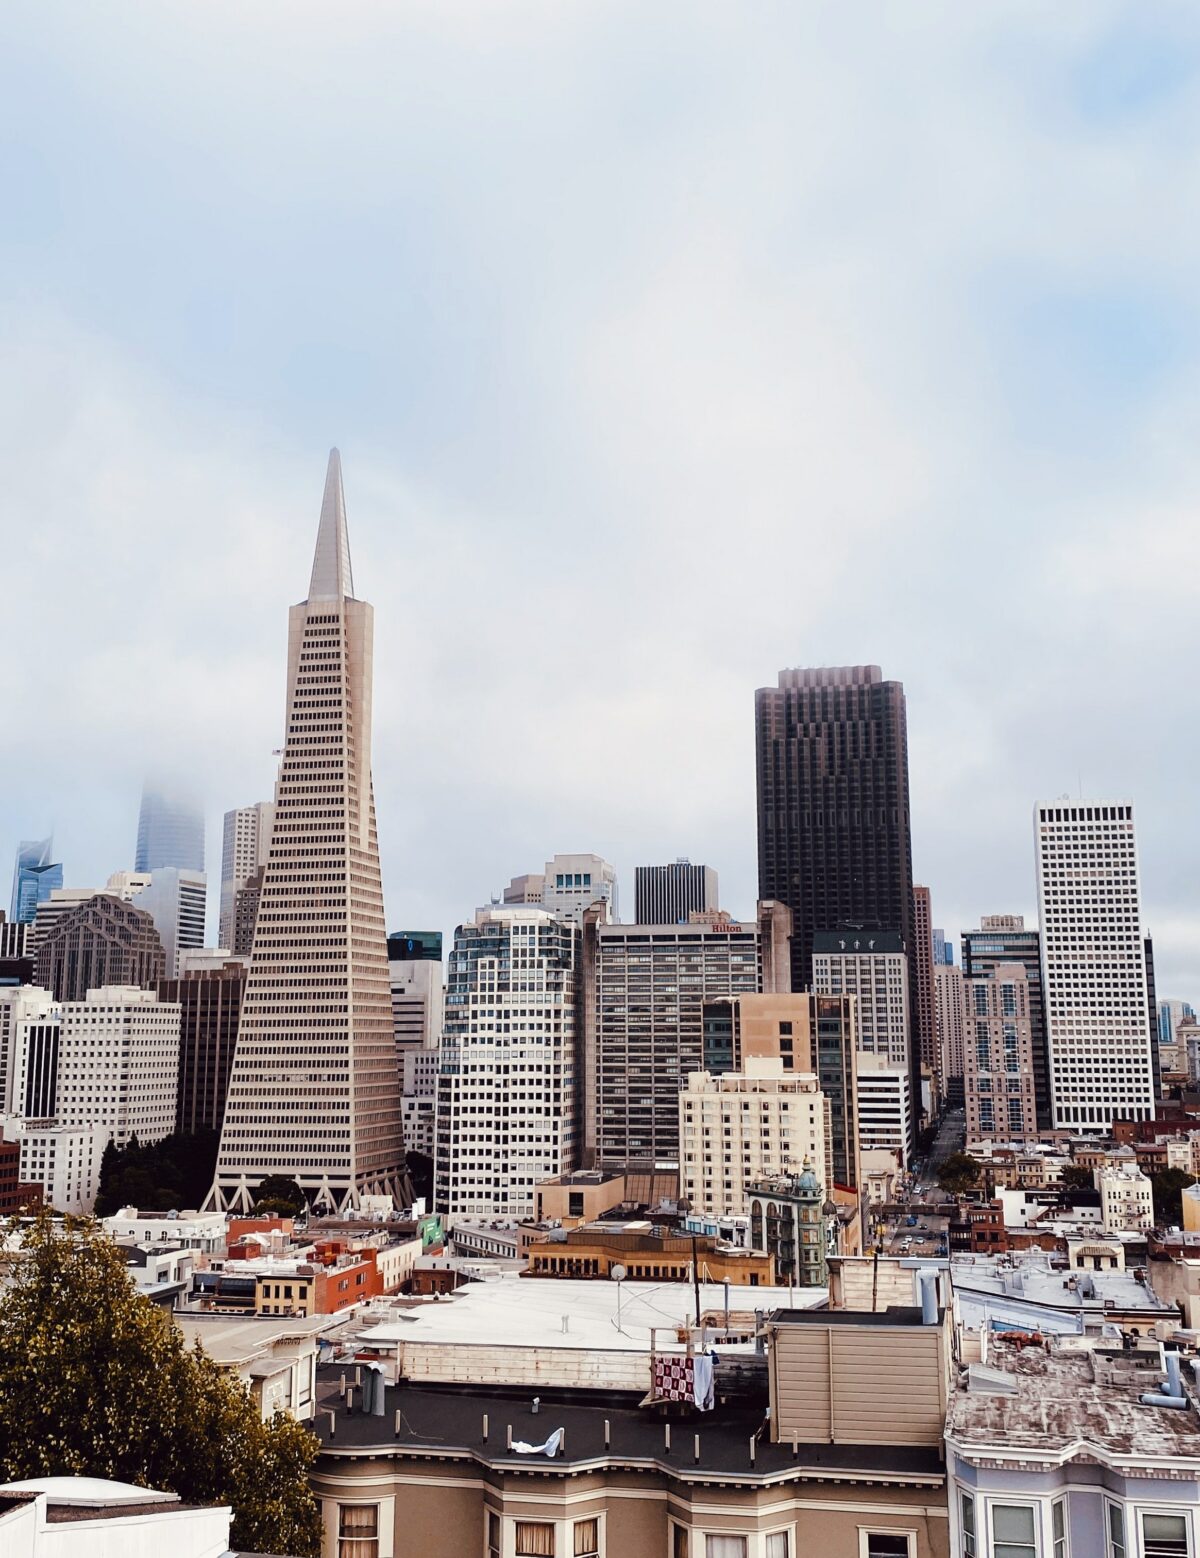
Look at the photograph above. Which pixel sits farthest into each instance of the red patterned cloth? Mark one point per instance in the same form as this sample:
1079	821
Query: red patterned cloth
672	1378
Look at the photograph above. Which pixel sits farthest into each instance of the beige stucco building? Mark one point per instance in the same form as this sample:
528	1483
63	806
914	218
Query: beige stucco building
846	1465
748	1126
1126	1200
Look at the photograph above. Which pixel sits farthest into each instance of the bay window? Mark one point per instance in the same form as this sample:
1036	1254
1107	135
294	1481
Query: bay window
358	1531
1014	1531
1164	1536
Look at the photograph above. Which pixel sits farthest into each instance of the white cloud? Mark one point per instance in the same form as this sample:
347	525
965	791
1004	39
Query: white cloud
664	349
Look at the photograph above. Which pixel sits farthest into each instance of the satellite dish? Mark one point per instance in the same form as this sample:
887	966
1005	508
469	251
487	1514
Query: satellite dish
617	1273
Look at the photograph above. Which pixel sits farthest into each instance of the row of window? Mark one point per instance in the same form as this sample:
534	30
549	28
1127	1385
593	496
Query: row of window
1016	1531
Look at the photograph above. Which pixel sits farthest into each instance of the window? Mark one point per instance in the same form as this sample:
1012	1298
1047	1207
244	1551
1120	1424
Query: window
1058	1523
885	1544
779	1545
724	1547
1116	1531
535	1539
1164	1536
1014	1532
358	1531
966	1505
587	1538
679	1541
493	1535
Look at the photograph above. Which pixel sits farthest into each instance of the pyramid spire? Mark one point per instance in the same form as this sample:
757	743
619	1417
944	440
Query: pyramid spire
332	576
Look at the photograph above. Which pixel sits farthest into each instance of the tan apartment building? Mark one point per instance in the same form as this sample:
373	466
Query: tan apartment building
848	1463
806	1033
736	1129
999	1082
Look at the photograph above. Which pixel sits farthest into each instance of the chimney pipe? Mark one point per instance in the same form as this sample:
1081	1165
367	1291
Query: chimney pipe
927	1285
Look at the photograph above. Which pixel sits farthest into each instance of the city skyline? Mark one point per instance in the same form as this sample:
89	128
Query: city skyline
976	464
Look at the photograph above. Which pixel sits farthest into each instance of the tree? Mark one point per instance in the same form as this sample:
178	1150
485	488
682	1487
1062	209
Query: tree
162	1176
95	1381
278	1193
959	1172
1076	1177
420	1169
1168	1186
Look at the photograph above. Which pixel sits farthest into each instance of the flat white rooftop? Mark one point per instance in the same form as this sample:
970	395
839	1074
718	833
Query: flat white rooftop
89	1491
515	1311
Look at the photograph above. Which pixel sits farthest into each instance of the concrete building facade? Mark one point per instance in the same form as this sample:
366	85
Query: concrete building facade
119	1063
210	1004
245	842
999	1082
645	992
872	967
100	941
1005	939
1093	964
314	1092
508	1107
748	1126
922	1013
668	895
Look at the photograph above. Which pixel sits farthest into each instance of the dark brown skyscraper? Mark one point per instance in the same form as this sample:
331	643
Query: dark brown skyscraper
834	840
210	1001
105	941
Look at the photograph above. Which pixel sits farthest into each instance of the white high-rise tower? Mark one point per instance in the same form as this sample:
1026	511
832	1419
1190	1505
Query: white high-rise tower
1093	964
314	1092
244	844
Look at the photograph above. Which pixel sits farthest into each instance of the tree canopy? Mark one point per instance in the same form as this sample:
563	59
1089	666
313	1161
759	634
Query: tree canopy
1167	1187
164	1176
278	1193
95	1380
959	1172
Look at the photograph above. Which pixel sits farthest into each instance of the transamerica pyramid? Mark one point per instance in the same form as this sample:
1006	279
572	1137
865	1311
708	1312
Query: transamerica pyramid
314	1092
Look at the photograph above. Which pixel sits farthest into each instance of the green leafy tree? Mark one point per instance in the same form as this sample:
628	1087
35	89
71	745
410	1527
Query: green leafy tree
960	1172
278	1193
1076	1177
162	1176
95	1381
1168	1186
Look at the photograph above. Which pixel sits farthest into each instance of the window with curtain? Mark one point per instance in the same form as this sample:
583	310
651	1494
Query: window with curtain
587	1538
724	1547
779	1545
1058	1524
1116	1531
1014	1531
493	1535
679	1541
535	1539
358	1531
966	1507
1165	1536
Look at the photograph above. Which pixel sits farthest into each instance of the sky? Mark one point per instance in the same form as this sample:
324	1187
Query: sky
665	346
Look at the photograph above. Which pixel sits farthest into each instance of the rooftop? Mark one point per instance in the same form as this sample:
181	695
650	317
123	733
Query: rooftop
1072	1398
1038	1283
894	1314
231	1339
516	1311
445	1421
